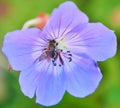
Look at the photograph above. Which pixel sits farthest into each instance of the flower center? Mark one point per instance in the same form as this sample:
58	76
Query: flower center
61	44
56	51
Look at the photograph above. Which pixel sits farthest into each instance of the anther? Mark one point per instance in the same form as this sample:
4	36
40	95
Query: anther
68	51
53	61
70	54
60	65
70	59
55	64
61	50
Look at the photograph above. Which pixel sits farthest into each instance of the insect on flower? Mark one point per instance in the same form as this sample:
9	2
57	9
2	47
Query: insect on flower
53	52
50	51
61	57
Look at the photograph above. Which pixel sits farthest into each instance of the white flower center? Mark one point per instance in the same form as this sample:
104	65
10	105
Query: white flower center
61	44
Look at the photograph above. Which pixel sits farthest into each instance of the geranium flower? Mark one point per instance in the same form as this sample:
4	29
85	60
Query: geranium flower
61	57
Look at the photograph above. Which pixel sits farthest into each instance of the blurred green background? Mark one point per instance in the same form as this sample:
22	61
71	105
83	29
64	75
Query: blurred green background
14	13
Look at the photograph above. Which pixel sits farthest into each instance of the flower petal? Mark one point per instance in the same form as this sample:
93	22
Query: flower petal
95	40
29	77
22	47
83	76
51	85
63	19
44	80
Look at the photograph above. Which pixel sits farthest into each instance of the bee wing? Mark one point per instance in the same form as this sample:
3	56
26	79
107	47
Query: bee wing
41	57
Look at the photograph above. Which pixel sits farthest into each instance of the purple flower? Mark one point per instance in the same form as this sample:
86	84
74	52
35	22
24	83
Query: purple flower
61	57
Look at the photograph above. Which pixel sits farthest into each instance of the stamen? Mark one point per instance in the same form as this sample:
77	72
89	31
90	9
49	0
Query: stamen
70	55
53	61
68	51
55	64
60	65
61	50
70	59
61	60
